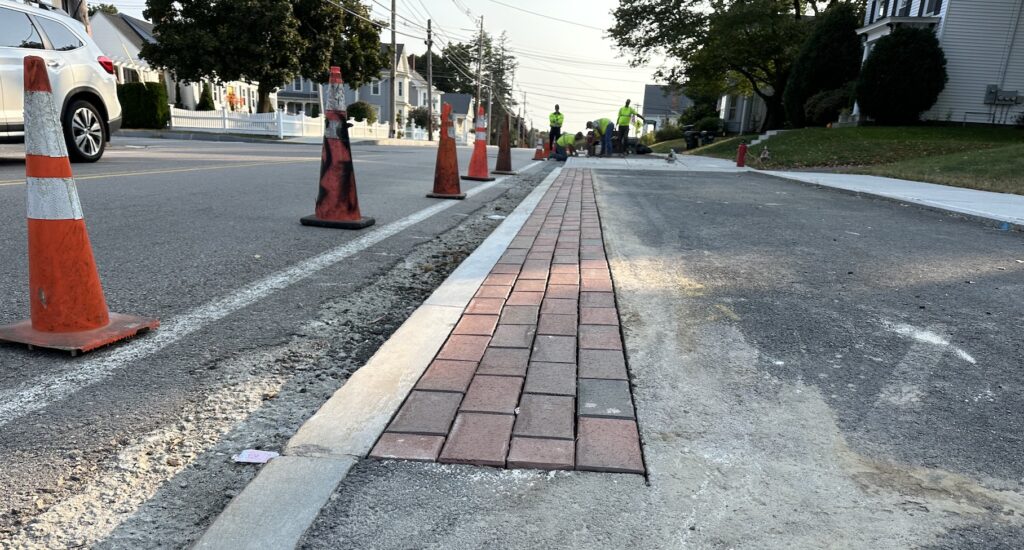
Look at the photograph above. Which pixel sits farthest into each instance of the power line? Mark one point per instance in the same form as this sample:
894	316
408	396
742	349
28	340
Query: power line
524	10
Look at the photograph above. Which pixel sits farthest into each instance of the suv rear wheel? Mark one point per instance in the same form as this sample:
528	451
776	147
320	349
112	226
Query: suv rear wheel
84	132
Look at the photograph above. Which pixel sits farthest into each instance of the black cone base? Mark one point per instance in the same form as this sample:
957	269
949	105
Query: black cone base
474	178
504	172
337	224
458	197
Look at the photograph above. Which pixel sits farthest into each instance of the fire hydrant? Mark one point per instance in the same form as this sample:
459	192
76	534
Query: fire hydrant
741	155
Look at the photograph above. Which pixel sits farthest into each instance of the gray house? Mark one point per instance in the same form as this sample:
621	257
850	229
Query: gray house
662	105
984	46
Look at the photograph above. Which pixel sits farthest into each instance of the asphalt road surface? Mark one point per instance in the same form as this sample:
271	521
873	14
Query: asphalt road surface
811	369
255	308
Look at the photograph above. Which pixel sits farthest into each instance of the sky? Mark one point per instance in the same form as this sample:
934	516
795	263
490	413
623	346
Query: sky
572	62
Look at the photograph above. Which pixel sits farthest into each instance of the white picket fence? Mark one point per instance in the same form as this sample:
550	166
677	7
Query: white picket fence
279	124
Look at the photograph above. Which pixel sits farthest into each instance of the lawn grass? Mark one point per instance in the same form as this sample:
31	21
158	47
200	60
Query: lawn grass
999	169
987	158
723	148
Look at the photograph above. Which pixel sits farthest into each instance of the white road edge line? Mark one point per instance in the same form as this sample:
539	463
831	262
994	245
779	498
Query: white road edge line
277	507
47	389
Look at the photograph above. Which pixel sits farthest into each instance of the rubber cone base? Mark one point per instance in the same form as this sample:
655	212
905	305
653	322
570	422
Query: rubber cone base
474	178
458	197
338	224
504	172
121	327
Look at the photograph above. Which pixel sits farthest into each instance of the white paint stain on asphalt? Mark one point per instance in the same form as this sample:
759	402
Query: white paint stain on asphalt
928	337
45	390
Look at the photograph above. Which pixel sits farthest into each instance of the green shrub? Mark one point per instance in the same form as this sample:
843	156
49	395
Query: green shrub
668	132
829	58
711	124
206	99
420	117
361	110
824	107
143	105
902	77
696	113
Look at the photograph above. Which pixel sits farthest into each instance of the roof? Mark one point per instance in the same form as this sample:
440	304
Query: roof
460	102
662	100
142	28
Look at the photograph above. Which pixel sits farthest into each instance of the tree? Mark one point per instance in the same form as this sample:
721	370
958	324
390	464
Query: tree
420	118
743	46
205	99
108	9
454	69
828	60
455	72
902	77
264	41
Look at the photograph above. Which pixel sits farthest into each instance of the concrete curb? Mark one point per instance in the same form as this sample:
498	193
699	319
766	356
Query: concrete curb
282	501
934	206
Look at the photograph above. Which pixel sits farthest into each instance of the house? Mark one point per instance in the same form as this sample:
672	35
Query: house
410	89
462	108
301	95
984	46
663	105
742	113
121	38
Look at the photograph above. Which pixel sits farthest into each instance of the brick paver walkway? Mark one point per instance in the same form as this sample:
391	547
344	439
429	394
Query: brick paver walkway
533	375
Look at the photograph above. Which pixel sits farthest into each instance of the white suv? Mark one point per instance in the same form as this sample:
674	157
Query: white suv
82	78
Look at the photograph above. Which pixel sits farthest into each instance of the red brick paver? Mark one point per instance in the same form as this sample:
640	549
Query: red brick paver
534	374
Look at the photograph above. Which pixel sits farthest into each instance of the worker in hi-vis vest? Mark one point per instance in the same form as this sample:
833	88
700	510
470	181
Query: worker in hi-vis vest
556	118
603	129
626	113
565	145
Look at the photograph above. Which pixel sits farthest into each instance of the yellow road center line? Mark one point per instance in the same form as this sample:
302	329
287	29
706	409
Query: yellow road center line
8	183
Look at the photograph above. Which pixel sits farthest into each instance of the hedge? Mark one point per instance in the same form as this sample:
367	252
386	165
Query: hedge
143	105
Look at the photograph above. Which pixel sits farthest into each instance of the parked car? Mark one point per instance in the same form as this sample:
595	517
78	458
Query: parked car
83	79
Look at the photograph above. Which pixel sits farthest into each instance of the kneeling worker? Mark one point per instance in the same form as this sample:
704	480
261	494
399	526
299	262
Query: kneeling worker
565	145
603	128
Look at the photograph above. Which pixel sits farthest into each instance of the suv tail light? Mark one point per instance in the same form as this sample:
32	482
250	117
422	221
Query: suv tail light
106	63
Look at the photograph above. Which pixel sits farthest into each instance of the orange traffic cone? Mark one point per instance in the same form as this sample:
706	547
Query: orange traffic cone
478	162
337	203
69	311
446	171
538	152
504	163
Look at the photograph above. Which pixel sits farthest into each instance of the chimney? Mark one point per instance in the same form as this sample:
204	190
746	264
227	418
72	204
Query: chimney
412	62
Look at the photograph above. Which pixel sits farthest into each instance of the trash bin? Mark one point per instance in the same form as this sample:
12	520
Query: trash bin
692	139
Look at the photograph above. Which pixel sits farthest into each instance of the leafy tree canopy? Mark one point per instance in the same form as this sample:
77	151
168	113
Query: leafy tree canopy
108	9
741	46
265	41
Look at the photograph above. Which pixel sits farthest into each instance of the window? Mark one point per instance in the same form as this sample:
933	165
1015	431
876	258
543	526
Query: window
131	75
297	84
16	31
934	7
904	8
375	87
401	88
61	38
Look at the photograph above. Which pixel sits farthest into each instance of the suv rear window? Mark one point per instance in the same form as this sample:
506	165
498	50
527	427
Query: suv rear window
60	37
16	31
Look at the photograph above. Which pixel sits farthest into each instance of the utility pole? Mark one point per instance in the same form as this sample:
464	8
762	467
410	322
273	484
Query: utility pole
490	98
394	75
430	84
479	61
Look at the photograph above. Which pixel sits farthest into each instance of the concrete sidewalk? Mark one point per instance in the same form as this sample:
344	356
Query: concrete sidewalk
1003	208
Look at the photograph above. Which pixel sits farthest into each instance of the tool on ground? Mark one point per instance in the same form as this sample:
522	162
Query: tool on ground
478	162
741	155
671	159
446	170
337	203
68	309
504	163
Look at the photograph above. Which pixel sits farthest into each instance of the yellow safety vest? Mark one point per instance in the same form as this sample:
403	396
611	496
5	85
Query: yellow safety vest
600	125
556	120
565	140
624	114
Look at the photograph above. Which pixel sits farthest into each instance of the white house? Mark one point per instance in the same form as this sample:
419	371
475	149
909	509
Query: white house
984	45
742	114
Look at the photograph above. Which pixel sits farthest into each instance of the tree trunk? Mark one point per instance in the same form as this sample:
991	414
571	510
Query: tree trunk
264	105
775	113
